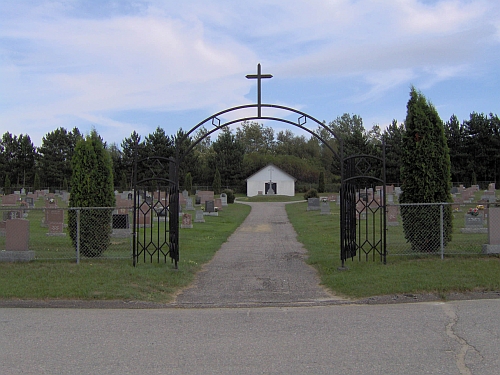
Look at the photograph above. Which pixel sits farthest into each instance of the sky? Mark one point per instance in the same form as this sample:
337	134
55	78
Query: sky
135	65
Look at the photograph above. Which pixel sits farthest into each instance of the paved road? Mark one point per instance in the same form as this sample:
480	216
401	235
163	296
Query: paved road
461	337
260	265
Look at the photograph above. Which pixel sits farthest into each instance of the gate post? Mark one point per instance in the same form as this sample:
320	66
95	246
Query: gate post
174	211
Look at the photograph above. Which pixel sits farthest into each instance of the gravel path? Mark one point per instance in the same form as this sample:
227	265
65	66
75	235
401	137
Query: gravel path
261	263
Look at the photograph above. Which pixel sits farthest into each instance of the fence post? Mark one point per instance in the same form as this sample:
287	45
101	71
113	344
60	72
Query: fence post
441	216
78	236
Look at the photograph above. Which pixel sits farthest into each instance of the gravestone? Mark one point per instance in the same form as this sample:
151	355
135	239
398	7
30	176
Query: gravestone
313	204
223	198
210	209
218	204
392	215
10	200
474	224
189	204
325	207
489	196
185	194
29	201
54	218
17	234
12	214
197	200
187	221
199	217
493	245
121	221
205	195
182	199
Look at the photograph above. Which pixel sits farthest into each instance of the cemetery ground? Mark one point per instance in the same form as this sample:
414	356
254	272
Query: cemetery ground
402	278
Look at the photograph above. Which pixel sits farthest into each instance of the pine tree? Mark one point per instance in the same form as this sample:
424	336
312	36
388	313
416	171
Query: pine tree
7	189
426	175
321	182
91	186
188	182
217	182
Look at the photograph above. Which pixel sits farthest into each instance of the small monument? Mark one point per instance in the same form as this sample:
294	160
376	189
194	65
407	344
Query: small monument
187	221
493	245
17	235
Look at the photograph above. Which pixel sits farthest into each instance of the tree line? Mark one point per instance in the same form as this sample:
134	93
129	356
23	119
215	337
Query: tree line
237	154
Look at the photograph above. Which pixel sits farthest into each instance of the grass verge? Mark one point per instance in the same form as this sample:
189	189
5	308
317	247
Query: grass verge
320	236
117	279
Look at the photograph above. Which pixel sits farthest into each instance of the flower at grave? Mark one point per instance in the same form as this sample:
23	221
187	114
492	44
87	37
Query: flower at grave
480	207
473	211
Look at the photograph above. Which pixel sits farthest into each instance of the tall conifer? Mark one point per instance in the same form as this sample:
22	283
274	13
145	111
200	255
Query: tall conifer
426	175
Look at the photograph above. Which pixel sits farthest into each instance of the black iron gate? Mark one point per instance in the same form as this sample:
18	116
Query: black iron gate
362	208
156	211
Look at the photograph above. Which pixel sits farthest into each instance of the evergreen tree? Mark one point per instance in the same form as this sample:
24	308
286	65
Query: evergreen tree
321	182
91	186
188	182
6	188
425	174
217	182
36	183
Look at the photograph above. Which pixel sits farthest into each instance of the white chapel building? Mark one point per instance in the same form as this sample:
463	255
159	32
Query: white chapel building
270	180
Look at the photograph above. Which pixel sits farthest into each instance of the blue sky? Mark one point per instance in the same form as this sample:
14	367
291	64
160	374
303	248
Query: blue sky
126	65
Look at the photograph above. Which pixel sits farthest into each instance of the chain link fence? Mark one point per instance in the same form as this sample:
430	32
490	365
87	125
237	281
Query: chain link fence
67	233
441	228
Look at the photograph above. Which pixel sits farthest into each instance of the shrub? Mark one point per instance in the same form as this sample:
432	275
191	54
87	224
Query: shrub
230	195
311	193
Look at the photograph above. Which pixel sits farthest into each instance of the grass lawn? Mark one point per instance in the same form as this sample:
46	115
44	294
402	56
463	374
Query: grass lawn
320	236
110	279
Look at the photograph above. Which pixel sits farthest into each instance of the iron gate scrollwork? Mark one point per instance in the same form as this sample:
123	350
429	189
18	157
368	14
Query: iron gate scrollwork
156	210
363	207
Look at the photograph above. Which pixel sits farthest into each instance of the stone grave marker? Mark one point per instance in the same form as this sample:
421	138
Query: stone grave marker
218	204
17	234
325	207
223	198
493	245
474	224
392	215
54	218
210	206
120	225
189	204
10	200
12	214
313	204
185	194
205	195
199	217
187	221
30	201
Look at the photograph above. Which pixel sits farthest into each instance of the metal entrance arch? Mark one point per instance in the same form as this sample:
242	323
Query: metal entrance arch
349	169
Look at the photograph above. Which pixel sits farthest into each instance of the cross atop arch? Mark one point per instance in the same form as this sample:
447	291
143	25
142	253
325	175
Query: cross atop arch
259	77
